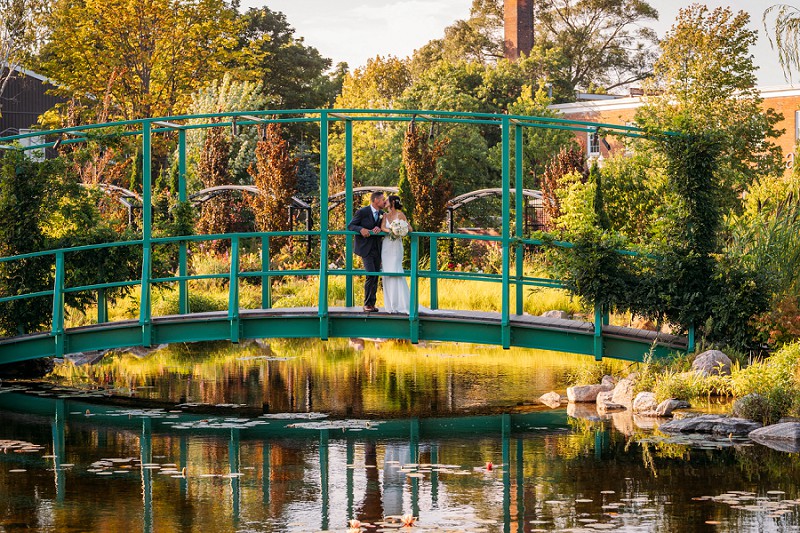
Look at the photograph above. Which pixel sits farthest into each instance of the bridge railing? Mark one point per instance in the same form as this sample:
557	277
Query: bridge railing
434	273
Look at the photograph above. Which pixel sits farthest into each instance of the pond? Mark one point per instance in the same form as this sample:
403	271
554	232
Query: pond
309	436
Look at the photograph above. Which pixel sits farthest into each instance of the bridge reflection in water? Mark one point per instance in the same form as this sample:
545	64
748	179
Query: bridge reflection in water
403	442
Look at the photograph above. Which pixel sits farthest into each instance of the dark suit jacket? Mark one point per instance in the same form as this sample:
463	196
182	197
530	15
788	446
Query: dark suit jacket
371	245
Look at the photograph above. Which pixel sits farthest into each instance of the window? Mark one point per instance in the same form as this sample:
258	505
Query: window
593	144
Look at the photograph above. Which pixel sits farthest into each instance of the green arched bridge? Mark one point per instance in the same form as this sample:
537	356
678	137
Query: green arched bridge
506	328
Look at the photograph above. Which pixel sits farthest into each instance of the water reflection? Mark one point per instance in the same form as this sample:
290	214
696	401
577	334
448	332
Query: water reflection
548	472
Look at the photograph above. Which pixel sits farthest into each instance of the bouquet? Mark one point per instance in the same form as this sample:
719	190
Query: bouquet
398	229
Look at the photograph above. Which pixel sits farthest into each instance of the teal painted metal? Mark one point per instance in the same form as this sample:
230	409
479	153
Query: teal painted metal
58	307
233	326
348	206
506	177
323	226
233	290
598	332
183	285
434	261
691	342
413	315
147	220
102	306
266	281
518	215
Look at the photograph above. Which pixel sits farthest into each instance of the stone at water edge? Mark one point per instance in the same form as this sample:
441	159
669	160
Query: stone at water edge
783	437
609	382
666	407
645	402
714	424
356	344
623	391
711	363
551	399
585	393
604	403
582	410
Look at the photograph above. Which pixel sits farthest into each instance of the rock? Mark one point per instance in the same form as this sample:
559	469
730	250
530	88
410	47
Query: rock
666	407
712	362
751	406
551	399
783	437
644	402
609	382
140	352
585	393
604	403
623	422
556	313
645	421
623	391
714	424
357	344
86	358
261	343
584	411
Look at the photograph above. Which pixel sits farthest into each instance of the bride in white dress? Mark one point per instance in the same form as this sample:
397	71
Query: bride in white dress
396	297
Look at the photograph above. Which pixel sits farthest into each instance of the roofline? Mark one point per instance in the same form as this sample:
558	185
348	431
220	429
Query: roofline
632	102
30	73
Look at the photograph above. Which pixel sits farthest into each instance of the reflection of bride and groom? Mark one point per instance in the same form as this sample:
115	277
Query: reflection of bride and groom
377	251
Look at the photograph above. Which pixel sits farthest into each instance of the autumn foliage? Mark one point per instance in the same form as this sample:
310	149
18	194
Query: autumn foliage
428	187
275	174
568	160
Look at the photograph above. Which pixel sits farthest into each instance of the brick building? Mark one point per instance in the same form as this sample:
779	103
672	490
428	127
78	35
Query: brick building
610	109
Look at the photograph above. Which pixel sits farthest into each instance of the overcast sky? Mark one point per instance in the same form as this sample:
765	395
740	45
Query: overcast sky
356	30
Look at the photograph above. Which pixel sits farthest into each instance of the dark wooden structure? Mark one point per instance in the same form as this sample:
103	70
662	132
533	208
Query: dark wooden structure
25	98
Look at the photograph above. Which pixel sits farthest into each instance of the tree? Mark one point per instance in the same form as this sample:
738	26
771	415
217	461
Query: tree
275	174
705	82
218	215
293	75
567	161
147	56
604	44
430	188
21	35
787	36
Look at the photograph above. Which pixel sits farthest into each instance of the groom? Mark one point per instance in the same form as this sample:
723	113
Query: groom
367	222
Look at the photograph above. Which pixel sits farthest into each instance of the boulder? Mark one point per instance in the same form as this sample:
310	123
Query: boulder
585	393
556	313
609	382
666	407
784	437
551	399
712	362
714	424
623	391
645	402
645	421
604	403
753	405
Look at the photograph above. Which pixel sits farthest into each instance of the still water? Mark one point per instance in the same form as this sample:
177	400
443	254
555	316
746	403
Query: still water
309	436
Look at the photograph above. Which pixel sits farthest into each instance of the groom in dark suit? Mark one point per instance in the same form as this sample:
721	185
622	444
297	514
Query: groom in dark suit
367	222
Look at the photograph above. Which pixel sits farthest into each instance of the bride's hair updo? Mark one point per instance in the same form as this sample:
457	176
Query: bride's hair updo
394	201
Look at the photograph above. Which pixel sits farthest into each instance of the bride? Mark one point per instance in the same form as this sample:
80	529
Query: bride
396	298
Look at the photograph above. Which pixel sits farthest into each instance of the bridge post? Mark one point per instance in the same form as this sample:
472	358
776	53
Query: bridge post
598	332
690	344
147	205
183	284
102	306
233	291
434	273
58	307
266	280
323	226
505	325
413	315
324	444
506	445
348	207
518	215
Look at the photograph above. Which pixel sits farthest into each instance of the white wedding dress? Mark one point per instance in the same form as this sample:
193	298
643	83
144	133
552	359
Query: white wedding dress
396	296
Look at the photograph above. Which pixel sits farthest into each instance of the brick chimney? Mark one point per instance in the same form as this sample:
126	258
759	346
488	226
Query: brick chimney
518	16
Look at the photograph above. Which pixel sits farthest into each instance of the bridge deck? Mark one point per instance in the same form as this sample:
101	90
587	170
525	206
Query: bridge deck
436	325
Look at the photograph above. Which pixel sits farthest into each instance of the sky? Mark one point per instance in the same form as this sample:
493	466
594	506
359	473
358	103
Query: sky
356	30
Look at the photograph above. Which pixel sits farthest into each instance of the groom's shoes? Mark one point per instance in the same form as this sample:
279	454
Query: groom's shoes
370	309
